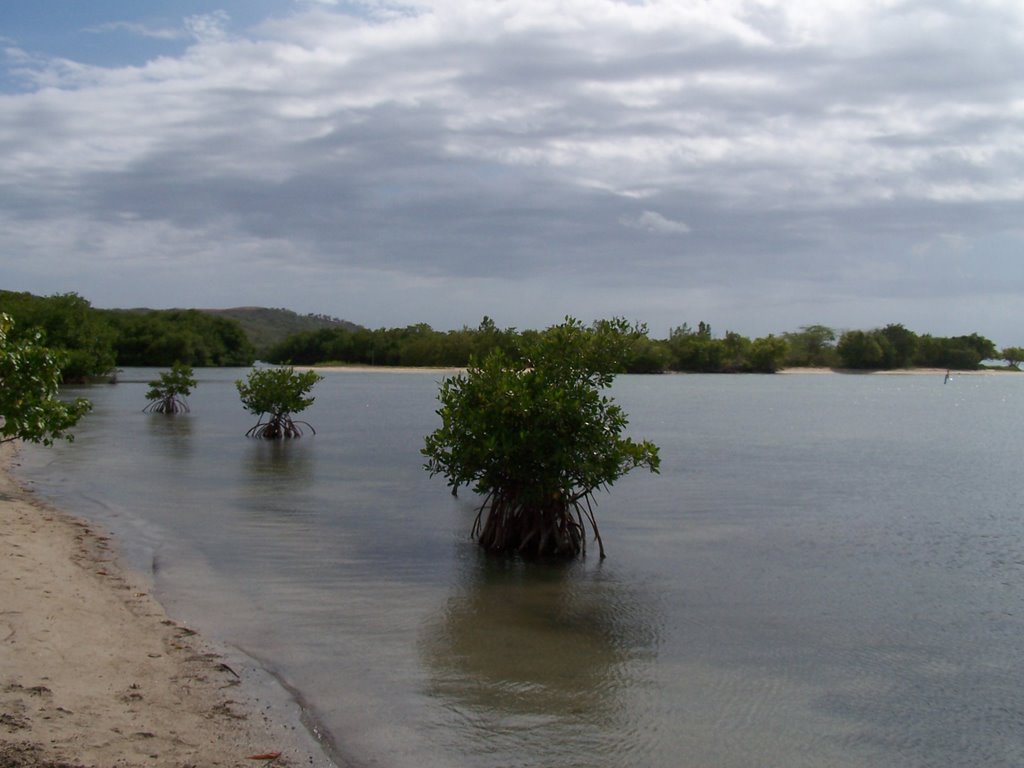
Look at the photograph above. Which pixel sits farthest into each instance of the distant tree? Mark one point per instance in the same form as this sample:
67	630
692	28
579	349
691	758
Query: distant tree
164	337
695	351
983	348
766	355
536	437
167	394
735	349
488	337
277	393
29	380
963	353
861	350
812	345
898	346
66	323
1013	356
646	355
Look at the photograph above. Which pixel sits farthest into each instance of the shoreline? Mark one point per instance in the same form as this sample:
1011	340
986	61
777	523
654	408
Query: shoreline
95	673
895	372
782	371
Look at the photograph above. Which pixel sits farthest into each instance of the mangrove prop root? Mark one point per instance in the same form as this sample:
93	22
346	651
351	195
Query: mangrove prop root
167	405
558	528
278	428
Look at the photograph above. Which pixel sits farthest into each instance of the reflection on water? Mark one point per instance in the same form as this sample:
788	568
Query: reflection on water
829	571
547	651
276	479
173	426
283	464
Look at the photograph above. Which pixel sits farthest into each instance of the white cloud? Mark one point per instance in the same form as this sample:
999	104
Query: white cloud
651	221
207	27
142	30
471	140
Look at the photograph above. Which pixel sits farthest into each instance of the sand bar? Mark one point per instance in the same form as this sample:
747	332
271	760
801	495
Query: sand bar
94	673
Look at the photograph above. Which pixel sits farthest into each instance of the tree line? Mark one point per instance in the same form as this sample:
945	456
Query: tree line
692	350
97	341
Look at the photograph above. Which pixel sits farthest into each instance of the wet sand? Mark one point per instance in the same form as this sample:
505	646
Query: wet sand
94	673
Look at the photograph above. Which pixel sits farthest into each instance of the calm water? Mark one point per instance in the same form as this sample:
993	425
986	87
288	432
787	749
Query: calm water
828	572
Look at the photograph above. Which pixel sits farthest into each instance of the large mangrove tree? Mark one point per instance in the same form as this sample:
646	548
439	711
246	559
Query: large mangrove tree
536	437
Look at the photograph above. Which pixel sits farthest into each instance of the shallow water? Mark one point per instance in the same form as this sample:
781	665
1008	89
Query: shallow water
829	570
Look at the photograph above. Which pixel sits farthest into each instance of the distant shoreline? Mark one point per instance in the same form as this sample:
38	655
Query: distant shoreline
897	371
380	369
783	371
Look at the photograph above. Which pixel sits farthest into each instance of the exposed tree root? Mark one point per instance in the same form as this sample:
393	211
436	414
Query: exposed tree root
554	529
278	428
168	405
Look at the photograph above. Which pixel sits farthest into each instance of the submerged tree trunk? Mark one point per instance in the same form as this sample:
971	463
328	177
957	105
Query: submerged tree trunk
279	427
168	405
555	528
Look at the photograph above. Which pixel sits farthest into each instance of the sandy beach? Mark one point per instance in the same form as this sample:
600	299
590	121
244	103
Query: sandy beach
94	673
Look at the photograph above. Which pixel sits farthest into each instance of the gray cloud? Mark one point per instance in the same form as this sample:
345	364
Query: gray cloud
666	161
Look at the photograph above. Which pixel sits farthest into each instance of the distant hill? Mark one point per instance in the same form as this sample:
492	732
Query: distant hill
266	327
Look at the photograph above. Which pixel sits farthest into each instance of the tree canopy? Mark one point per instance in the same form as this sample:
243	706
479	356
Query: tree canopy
171	336
65	323
897	347
96	341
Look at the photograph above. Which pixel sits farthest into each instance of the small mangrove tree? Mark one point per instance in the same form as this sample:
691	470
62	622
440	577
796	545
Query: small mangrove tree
167	394
277	394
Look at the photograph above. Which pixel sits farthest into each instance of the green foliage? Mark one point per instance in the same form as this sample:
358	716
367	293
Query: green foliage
415	345
896	347
861	350
192	337
536	437
700	352
29	379
694	351
68	324
767	354
812	345
277	393
95	341
167	394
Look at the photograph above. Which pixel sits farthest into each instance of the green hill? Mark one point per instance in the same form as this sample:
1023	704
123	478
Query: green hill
266	327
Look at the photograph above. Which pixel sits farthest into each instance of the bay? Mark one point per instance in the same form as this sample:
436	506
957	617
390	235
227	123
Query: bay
828	571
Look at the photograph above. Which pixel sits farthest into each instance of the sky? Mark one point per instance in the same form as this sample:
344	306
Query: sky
759	165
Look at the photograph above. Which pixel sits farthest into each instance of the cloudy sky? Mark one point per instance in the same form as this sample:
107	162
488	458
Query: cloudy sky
756	164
